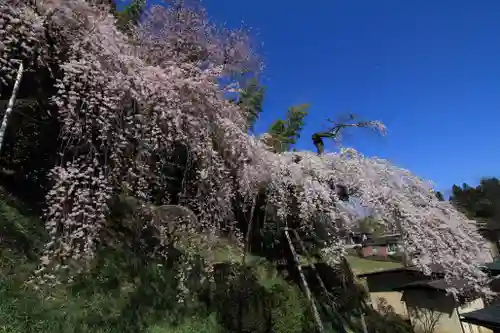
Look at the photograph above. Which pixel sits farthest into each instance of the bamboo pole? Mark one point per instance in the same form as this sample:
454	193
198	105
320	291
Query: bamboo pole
322	284
244	259
303	248
248	235
317	318
10	106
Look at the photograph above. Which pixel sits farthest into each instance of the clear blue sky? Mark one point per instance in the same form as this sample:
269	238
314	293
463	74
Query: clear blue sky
430	70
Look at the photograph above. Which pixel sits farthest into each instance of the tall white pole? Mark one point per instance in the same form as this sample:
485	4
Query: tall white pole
10	106
309	296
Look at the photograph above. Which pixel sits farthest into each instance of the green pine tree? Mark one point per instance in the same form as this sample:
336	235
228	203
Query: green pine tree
251	100
482	204
129	17
285	133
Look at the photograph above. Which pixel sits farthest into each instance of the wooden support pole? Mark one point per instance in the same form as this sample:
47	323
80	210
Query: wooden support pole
10	106
322	284
303	248
317	317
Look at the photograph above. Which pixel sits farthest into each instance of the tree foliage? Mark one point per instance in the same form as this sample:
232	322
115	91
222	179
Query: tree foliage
439	196
283	134
129	17
481	203
147	116
250	100
368	225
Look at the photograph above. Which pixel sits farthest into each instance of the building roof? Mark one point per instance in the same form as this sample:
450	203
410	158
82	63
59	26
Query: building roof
488	317
493	267
436	269
439	284
390	270
383	240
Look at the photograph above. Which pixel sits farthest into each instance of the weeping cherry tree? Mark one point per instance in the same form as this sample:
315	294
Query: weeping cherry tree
133	108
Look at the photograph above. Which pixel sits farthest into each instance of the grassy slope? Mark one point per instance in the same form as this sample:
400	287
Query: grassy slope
93	309
361	265
110	300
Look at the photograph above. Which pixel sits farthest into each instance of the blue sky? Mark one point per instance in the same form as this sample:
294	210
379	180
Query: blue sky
430	70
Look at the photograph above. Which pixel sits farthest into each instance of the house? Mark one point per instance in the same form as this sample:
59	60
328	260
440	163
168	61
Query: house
357	238
431	309
383	287
493	269
383	246
424	302
488	318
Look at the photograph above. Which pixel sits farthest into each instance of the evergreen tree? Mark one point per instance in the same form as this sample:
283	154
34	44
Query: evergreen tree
250	100
285	133
481	203
130	16
440	196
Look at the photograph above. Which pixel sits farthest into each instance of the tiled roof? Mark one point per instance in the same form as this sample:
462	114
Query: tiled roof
487	317
493	267
435	269
383	240
439	284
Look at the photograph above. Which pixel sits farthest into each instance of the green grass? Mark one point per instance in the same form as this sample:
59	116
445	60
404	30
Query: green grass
363	266
190	325
125	293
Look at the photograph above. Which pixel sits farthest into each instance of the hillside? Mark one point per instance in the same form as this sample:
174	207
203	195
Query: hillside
126	294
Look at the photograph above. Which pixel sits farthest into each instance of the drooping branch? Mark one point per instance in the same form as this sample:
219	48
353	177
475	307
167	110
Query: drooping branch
335	132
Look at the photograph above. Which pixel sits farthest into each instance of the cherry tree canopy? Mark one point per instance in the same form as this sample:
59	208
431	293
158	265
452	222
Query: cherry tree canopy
132	106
